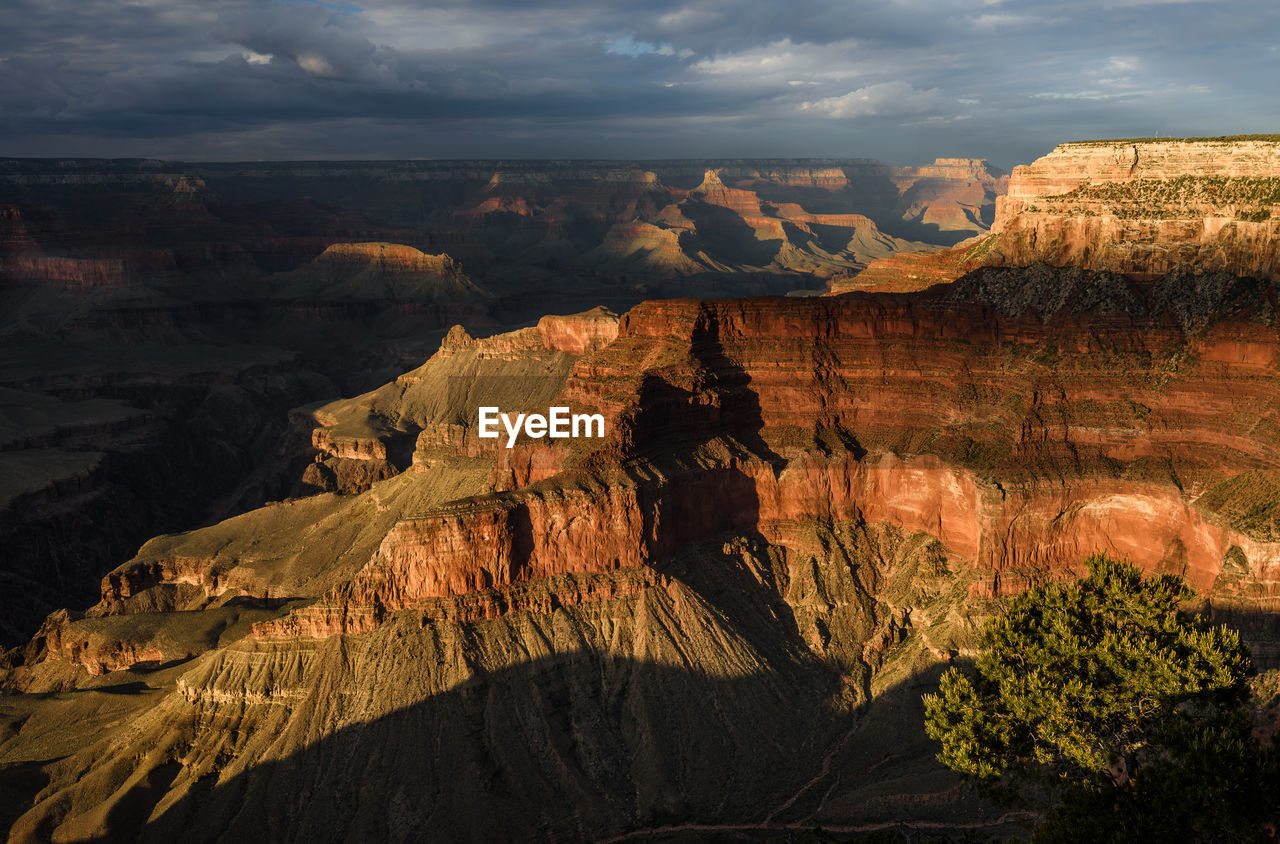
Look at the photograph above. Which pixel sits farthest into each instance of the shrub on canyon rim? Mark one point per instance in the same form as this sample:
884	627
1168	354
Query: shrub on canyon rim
1106	694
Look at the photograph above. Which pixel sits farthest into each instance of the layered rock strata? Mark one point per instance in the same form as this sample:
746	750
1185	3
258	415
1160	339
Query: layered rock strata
829	490
802	510
1146	208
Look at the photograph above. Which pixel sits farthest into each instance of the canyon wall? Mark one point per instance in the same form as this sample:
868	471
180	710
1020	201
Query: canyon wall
1145	208
836	489
196	293
1022	468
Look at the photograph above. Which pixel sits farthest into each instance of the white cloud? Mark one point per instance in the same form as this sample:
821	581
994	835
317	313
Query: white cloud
1088	94
1118	64
995	20
784	62
315	64
885	99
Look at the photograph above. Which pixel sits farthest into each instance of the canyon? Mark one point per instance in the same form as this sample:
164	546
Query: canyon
719	618
161	319
1141	208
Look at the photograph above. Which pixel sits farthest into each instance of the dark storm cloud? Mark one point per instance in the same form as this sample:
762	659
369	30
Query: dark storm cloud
899	80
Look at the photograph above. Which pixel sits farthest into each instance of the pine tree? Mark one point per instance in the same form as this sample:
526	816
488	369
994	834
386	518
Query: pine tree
1126	708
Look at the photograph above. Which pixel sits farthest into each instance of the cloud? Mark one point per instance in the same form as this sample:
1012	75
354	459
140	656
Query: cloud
994	20
315	64
1083	95
885	99
258	78
321	41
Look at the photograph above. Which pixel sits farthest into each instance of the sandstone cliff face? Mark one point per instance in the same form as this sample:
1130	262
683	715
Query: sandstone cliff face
908	272
1022	469
1145	208
578	334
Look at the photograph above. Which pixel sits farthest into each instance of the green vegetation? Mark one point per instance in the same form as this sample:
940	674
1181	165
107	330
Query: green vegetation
1046	355
982	248
1105	695
1221	139
1249	503
1163	198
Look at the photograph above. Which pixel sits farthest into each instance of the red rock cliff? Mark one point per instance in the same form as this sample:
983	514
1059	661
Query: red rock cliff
1022	439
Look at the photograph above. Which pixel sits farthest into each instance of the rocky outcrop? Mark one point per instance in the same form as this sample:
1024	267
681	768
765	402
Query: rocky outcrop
950	195
392	257
344	474
578	334
428	416
1021	469
390	271
96	657
14	234
1146	208
648	247
907	272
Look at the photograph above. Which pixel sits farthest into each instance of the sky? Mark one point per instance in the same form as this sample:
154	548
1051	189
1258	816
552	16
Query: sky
903	81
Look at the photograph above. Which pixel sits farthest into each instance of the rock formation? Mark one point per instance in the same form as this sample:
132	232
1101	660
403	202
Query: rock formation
826	490
952	195
424	415
209	299
716	619
1146	208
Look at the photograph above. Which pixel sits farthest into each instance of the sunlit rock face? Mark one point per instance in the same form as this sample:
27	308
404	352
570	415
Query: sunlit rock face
1146	208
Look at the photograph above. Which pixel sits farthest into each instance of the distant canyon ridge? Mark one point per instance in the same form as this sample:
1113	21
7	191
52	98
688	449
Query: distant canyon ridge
159	319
